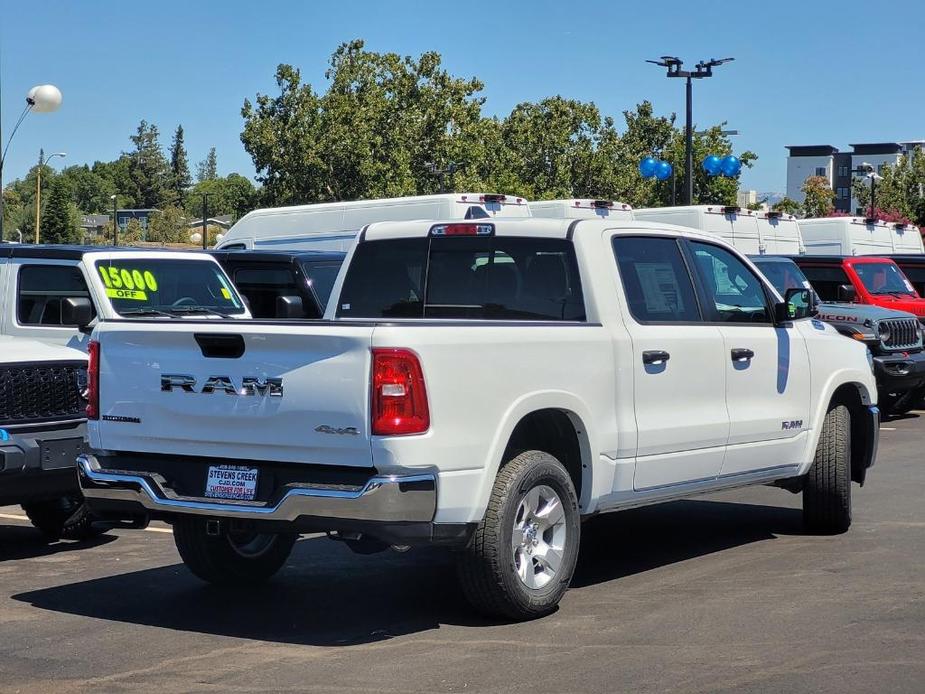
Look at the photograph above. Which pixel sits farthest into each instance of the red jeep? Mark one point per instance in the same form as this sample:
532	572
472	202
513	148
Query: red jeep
862	279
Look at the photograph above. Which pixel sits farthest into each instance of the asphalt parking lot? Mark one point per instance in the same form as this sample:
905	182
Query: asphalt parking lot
715	594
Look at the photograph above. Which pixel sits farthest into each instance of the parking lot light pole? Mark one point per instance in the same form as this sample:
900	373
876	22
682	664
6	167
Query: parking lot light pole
38	192
702	70
115	221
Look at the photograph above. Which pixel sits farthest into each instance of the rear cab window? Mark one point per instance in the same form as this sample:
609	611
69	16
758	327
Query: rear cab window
140	286
464	277
321	277
262	285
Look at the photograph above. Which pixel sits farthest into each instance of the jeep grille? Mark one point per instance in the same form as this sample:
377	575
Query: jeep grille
904	333
41	392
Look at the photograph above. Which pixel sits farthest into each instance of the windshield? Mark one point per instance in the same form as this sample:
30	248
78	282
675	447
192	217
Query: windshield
783	275
883	278
166	285
322	276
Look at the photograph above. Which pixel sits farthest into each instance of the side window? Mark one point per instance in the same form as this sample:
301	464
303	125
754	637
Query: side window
41	290
826	280
385	280
655	279
262	285
738	294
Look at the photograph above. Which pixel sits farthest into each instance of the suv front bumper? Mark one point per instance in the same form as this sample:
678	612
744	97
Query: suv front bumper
899	373
398	507
37	464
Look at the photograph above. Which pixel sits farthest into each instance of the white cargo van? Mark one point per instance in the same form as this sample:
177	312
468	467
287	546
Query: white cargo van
754	233
582	208
332	226
859	236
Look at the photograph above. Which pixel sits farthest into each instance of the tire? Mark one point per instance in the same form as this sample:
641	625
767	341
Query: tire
67	517
230	558
518	580
827	487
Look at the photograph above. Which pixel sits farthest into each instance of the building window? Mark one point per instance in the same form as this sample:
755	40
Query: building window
843	172
820	171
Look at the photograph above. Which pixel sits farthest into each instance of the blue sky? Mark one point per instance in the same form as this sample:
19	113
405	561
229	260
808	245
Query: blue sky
805	72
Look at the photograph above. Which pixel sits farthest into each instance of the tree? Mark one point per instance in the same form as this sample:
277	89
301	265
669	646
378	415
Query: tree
168	226
788	206
180	179
860	191
207	169
373	133
59	218
132	233
149	172
819	198
232	194
90	190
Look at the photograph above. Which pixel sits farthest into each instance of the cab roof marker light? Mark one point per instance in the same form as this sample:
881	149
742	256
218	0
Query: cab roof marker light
493	197
601	204
771	214
465	229
731	209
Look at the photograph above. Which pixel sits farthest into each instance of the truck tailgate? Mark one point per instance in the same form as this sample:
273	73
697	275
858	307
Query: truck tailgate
209	389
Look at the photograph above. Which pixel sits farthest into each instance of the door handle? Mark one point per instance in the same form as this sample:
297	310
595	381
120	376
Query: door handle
655	356
742	354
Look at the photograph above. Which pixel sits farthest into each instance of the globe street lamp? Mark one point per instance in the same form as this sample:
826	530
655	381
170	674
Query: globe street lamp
702	70
38	192
43	98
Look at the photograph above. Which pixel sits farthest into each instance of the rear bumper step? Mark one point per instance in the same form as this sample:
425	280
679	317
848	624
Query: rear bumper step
409	497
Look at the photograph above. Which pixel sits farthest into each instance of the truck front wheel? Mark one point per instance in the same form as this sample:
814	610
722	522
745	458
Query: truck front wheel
67	517
827	487
520	560
230	557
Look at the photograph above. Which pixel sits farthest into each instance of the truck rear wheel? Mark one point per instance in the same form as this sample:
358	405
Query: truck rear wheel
827	487
520	560
67	517
230	558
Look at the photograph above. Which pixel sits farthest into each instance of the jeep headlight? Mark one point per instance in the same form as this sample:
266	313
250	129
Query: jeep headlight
883	332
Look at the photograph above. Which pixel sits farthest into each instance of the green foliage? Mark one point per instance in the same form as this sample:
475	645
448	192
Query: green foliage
902	189
59	217
788	206
384	119
819	197
207	169
133	233
232	194
168	226
149	172
860	190
180	179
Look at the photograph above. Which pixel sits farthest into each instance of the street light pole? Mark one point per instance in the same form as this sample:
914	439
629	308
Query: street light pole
38	192
702	70
43	98
115	221
205	216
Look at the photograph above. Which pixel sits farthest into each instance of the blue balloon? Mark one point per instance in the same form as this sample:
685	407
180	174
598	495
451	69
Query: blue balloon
731	166
647	167
663	171
712	164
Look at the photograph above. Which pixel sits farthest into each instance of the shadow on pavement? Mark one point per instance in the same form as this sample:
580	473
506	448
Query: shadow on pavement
25	542
327	596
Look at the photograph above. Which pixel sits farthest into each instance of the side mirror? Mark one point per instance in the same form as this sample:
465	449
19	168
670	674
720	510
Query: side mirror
289	307
76	311
847	292
798	303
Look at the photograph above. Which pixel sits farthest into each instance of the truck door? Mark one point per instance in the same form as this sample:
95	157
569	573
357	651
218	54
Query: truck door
678	368
767	365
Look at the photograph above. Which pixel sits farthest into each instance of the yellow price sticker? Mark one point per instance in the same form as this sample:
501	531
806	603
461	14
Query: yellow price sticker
122	278
226	293
130	294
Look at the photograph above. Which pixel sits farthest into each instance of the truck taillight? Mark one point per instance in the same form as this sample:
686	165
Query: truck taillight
93	380
399	398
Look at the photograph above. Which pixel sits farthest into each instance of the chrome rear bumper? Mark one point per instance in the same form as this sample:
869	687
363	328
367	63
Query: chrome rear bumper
394	498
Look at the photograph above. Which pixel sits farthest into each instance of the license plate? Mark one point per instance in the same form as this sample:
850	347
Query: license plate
232	482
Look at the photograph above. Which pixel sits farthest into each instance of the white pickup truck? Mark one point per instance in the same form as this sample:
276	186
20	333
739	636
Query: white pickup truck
484	385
